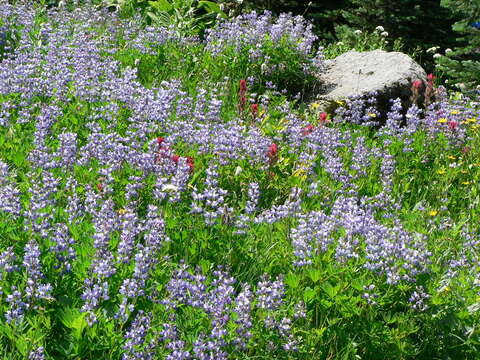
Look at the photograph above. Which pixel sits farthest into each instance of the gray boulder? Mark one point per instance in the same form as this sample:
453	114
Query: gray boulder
355	73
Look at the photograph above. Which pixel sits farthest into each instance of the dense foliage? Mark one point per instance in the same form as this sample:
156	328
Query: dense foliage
419	25
462	65
167	196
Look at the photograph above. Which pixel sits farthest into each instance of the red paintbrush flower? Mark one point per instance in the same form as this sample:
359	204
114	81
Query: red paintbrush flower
241	95
243	86
323	118
308	129
452	125
417	84
254	110
272	154
190	163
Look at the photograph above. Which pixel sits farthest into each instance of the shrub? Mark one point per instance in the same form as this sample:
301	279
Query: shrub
420	24
279	51
462	65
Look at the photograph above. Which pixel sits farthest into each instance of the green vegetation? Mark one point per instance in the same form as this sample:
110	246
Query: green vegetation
166	193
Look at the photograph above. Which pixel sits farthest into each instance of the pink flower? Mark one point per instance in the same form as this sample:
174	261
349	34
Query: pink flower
254	110
452	125
308	129
243	86
190	163
323	118
241	94
417	84
272	153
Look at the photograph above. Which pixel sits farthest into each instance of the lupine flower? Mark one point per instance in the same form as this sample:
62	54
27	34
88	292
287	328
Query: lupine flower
31	262
270	293
63	247
369	295
136	347
253	197
418	299
17	307
244	320
37	354
300	311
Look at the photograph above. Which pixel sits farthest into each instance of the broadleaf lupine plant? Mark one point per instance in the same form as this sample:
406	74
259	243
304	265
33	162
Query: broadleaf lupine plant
162	220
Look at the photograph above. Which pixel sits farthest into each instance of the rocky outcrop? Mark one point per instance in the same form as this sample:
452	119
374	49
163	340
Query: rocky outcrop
390	74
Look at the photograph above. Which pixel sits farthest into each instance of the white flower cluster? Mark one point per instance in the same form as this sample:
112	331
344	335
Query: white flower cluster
382	31
433	49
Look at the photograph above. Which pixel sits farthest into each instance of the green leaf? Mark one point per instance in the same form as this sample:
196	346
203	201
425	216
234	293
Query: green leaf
330	290
153	16
18	159
314	275
308	294
357	284
21	345
211	7
161	5
292	280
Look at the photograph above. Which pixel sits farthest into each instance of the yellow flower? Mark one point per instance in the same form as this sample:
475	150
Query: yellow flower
315	106
372	115
471	120
441	172
433	213
300	173
122	211
466	183
451	157
454	112
442	120
340	102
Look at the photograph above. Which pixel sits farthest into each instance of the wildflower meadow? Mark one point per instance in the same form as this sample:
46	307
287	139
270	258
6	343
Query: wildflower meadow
166	194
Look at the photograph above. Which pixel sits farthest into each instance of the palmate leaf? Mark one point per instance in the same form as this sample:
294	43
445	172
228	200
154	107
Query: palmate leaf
211	7
74	320
162	18
161	5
